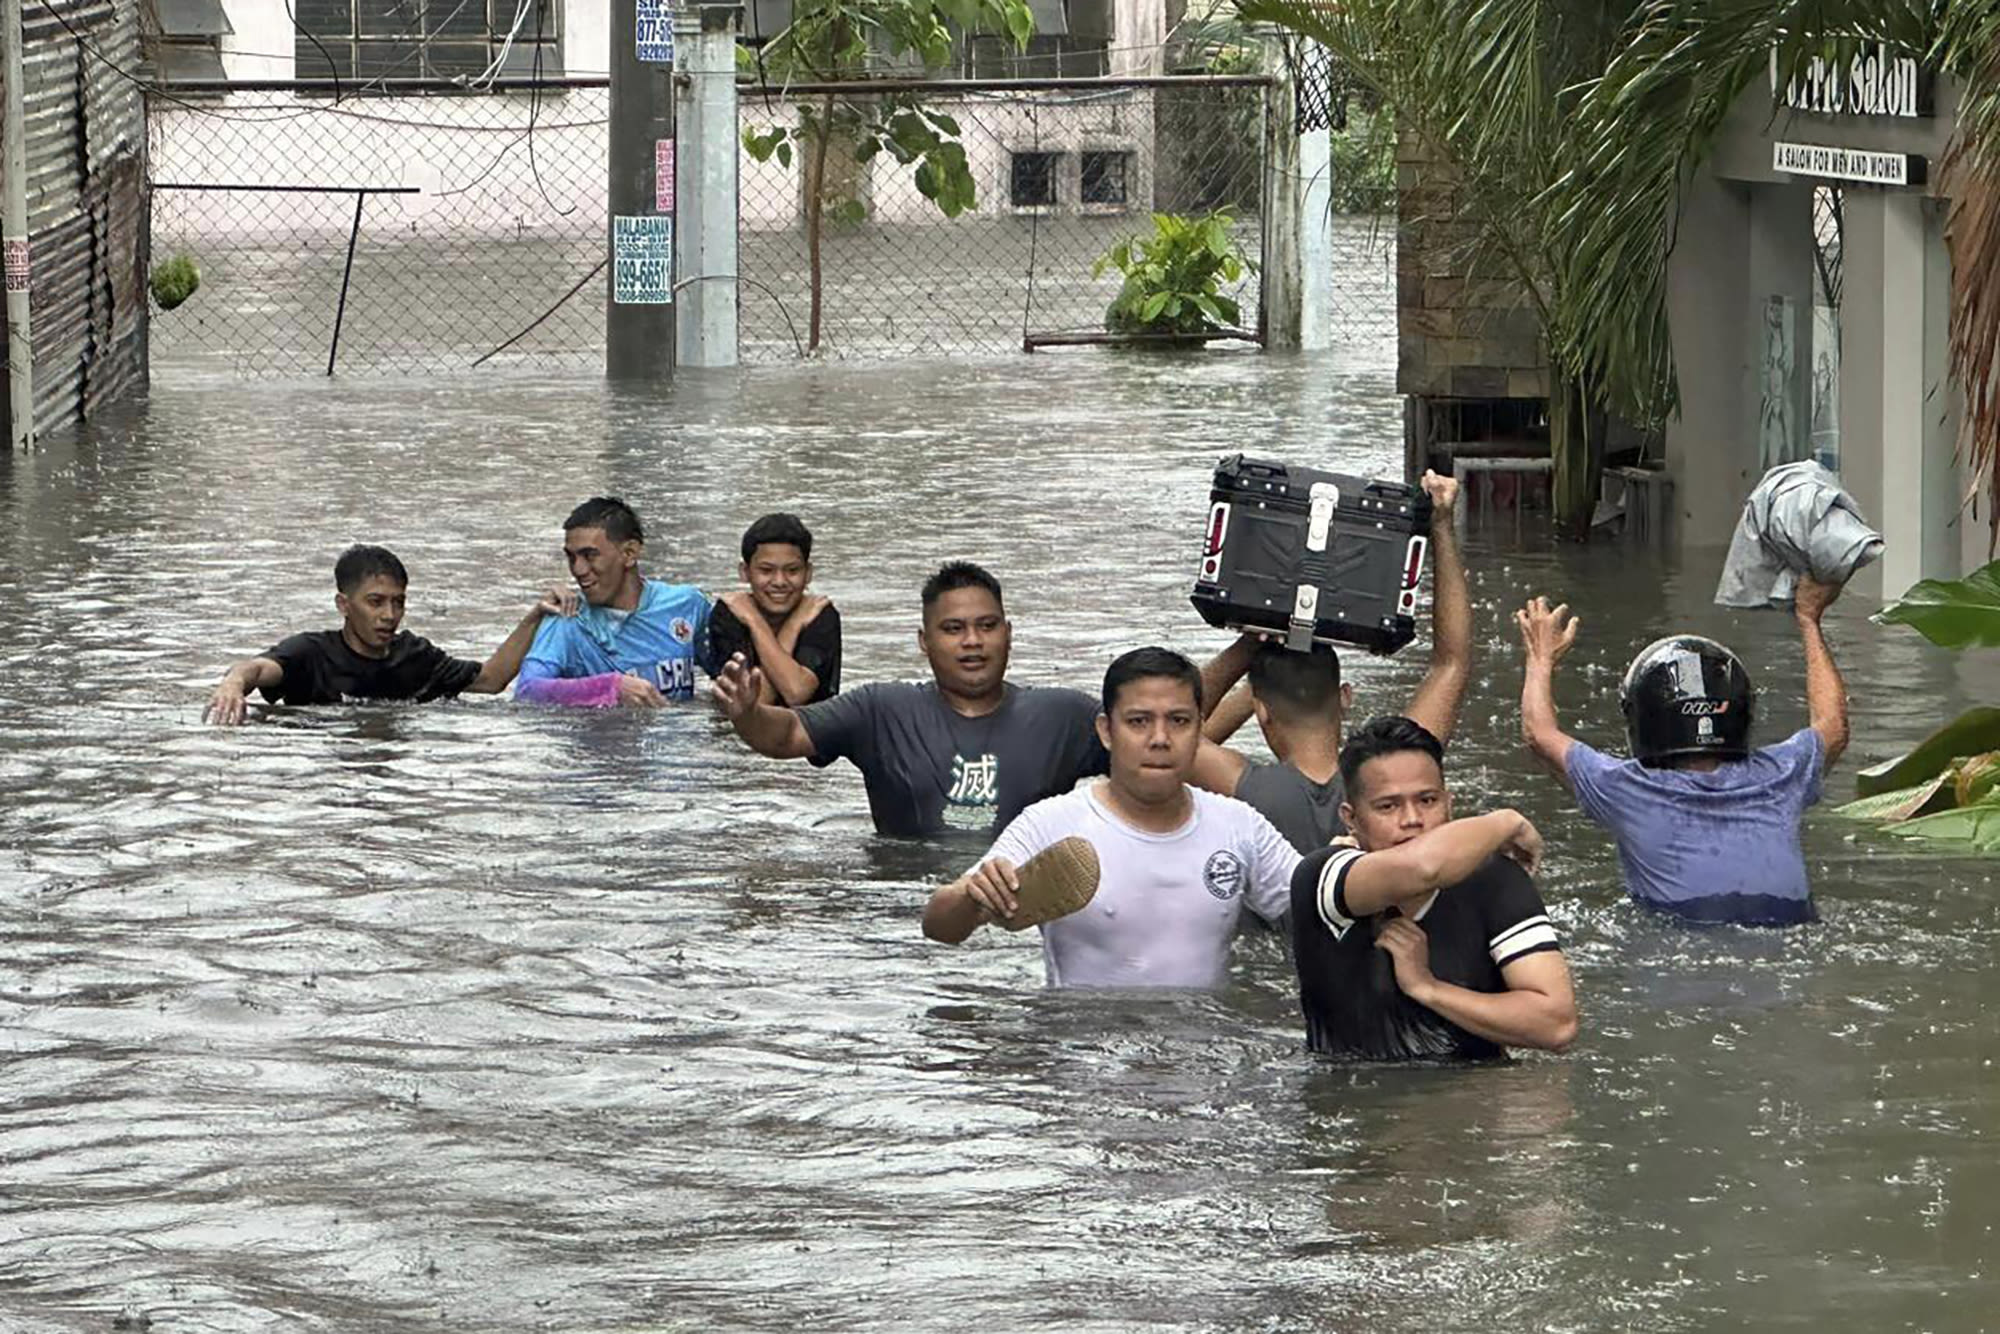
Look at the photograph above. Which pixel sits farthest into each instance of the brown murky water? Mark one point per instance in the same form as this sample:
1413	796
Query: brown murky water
480	1017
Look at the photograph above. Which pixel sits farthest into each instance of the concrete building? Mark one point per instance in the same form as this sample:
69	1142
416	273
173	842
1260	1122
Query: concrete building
1751	326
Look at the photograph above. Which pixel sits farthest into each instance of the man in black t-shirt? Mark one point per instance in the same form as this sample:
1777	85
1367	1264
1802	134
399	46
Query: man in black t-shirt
1426	938
370	657
791	635
1299	701
965	750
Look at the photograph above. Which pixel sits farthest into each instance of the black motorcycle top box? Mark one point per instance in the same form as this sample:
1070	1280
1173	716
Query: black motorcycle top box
1312	557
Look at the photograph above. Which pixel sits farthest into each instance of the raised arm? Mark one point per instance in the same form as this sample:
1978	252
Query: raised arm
1547	635
768	729
499	671
1538	1008
1229	714
1442	691
1221	672
785	680
1826	693
227	706
1444	856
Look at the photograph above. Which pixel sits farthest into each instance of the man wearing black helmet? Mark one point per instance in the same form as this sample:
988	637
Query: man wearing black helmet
1707	827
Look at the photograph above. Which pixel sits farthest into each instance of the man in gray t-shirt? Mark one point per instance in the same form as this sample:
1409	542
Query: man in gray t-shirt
965	751
1299	702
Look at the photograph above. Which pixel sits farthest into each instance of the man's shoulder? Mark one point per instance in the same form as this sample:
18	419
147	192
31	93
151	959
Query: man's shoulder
307	641
1053	699
665	599
1232	813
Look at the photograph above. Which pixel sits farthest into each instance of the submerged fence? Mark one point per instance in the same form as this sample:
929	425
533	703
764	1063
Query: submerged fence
421	232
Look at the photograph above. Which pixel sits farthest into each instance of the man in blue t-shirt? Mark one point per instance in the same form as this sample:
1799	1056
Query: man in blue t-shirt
633	640
1707	828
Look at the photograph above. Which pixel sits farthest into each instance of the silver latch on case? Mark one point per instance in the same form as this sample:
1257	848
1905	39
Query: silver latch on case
1305	615
1325	499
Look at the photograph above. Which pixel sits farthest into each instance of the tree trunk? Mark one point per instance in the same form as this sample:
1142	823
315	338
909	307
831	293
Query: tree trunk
822	140
1576	446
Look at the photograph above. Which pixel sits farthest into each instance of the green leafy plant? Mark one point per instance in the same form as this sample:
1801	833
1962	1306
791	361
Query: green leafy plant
1174	278
1364	163
1947	789
842	41
175	280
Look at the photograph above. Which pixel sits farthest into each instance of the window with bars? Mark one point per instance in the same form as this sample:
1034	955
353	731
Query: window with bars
1034	179
362	40
1104	176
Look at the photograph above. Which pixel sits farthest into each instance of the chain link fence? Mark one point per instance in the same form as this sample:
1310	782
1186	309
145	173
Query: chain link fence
422	233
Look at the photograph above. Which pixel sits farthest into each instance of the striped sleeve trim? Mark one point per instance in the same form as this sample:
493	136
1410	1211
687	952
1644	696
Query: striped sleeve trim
1332	903
1527	936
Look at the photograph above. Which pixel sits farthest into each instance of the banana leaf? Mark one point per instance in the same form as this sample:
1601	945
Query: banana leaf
1976	826
1972	779
1903	804
1974	732
1953	613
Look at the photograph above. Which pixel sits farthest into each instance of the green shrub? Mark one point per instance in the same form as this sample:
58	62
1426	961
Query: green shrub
175	281
1364	163
1173	278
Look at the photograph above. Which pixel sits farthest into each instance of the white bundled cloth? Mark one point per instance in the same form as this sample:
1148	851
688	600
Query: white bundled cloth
1797	521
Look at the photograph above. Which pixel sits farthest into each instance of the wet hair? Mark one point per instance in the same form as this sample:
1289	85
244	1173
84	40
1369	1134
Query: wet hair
611	514
1296	686
1145	663
1390	735
358	564
956	574
781	529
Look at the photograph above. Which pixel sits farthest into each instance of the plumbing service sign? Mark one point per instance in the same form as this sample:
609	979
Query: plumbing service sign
642	261
654	38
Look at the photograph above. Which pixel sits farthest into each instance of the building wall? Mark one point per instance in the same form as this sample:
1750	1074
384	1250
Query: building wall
86	141
1744	240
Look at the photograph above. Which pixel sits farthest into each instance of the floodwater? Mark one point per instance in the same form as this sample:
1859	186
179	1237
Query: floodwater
478	1017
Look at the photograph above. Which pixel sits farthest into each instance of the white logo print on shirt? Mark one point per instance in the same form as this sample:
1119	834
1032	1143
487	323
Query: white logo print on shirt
974	791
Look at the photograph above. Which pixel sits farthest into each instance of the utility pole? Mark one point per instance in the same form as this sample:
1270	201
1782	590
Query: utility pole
14	235
705	83
638	311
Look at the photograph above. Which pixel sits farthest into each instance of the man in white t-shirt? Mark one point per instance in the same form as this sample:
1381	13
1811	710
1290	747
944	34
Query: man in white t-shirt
1177	866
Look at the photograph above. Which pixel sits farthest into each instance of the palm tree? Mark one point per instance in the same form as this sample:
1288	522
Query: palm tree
1571	126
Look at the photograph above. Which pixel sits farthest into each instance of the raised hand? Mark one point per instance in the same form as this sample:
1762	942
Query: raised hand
1546	632
738	687
1443	492
557	602
1812	599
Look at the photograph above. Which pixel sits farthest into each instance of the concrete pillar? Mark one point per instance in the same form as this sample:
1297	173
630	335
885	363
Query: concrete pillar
1138	38
1279	293
1895	439
1707	276
14	234
1316	239
706	184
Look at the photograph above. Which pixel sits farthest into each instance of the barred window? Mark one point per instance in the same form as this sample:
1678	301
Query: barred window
361	40
1034	179
1104	176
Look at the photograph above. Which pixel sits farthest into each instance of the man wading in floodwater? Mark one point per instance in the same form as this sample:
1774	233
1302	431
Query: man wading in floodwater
371	657
632	642
966	751
1707	828
1177	866
1299	702
1426	938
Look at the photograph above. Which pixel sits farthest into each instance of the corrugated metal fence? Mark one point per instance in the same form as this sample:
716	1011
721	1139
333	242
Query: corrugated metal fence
86	137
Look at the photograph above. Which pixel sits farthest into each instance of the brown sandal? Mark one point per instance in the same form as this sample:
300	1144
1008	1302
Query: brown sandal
1055	882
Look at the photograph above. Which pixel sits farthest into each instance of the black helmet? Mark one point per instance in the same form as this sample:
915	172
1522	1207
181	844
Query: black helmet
1685	695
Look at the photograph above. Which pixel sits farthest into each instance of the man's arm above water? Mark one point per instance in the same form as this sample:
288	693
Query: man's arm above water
1217	768
1547	635
769	729
1538	1008
1373	881
1442	691
1826	693
499	670
230	701
786	680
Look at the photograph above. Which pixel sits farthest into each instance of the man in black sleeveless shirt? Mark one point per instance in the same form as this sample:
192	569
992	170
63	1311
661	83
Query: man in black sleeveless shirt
1299	702
1426	939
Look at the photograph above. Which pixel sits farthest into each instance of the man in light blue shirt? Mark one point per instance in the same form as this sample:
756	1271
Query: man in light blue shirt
1707	828
632	642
